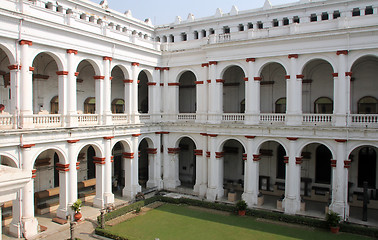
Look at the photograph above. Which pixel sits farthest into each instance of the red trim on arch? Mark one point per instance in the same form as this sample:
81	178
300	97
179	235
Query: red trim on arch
342	52
250	60
27	145
293	56
204	65
25	42
108	138
73	141
71	51
107	58
60	73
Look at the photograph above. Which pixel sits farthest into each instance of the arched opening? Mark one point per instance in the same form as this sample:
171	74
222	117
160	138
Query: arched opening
323	165
45	82
85	88
187	93
118	106
233	169
90	105
118	178
272	85
142	92
272	173
363	84
54	105
187	162
363	169
118	90
143	164
86	174
317	84
233	89
91	168
5	95
323	105
280	105
367	105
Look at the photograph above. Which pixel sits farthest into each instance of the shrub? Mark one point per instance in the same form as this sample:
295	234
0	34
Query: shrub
333	219
241	205
108	234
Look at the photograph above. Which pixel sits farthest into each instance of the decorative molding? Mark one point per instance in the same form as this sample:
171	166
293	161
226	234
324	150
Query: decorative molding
208	154
208	81
198	152
198	82
219	80
77	165
128	81
286	159
151	150
174	84
98	160
256	157
335	74
244	157
348	74
161	84
61	73
257	78
298	160
287	77
292	56
340	140
212	135
250	60
136	134
107	58
333	163
108	138
99	77
165	68
292	138
342	52
246	79
250	137
25	42
157	68
213	63
219	154
62	167
73	141
300	76
204	134
31	69
27	145
151	83
14	67
204	65
34	173
71	51
76	74
135	64
347	163
173	150
161	132
128	155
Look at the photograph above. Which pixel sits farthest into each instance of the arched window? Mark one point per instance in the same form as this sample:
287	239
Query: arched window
281	105
90	105
242	106
118	106
54	105
281	166
367	165
368	105
323	165
323	105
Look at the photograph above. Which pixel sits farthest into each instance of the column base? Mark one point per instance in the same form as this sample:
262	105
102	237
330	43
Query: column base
151	183
294	120
202	190
252	119
339	120
291	205
98	202
30	227
250	198
196	188
213	194
171	184
62	212
137	188
129	193
340	208
109	199
15	229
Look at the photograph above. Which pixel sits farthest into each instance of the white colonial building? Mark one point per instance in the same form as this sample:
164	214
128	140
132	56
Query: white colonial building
264	102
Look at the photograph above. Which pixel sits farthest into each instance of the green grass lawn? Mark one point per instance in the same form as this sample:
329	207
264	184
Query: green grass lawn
174	222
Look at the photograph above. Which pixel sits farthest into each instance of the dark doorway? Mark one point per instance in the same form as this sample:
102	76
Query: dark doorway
56	172
323	165
91	171
367	167
281	166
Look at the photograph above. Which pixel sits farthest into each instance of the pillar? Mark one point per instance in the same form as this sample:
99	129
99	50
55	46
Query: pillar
63	169
252	94
72	173
173	93
128	97
62	95
341	104
215	94
203	165
108	194
29	222
128	161
201	94
199	159
26	85
135	181
98	200
173	169
154	96
292	201
107	113
134	90
164	92
293	94
251	176
215	171
339	202
153	177
15	89
71	119
165	157
99	89
15	228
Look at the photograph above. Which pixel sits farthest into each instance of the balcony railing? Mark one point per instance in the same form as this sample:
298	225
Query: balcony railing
57	120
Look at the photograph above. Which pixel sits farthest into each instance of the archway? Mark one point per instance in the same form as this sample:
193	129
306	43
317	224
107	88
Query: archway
363	83
233	169
86	175
233	89
273	86
45	82
86	88
143	175
187	93
187	162
363	168
118	178
118	90
118	106
5	79
317	84
142	92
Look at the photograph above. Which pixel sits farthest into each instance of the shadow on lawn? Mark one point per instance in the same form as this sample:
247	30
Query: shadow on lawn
278	228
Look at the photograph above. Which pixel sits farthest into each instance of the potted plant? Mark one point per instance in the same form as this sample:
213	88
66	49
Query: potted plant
241	206
76	207
333	219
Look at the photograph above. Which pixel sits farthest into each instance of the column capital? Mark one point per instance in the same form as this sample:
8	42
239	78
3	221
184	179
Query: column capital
165	68
14	67
34	173
212	135
151	150
219	80
25	42
286	159
341	140
71	51
204	65
73	141
173	84
292	138
213	63
136	134
27	145
98	160
333	163
219	154
347	163
63	167
127	81
198	152
204	134
250	60
161	132
246	79
151	83
208	154
292	56
60	73
128	155
244	157
348	74
298	160
342	52
250	137
107	58
335	74
108	138
257	78
256	157
157	68
287	77
299	76
135	64
98	77
198	82
173	150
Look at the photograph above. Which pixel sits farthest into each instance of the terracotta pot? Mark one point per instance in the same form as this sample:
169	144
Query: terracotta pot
335	229
77	216
241	212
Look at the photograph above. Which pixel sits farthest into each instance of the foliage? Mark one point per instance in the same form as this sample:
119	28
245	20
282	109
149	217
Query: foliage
137	210
241	205
333	219
108	234
76	206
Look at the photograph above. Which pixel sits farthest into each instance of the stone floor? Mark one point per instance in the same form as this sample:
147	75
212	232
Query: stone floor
84	230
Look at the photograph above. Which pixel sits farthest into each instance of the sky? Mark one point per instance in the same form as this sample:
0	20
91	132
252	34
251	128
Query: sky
165	11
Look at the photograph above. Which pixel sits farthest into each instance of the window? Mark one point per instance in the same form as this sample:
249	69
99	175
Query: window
260	25
275	23
83	16
54	105
118	106
295	19
325	16
356	12
211	31
91	19
164	38
323	105
59	9
195	35
250	25
368	10
313	17
183	37
118	27
204	33
241	27
157	39
226	29
285	21
242	106
336	14
368	105
281	105
90	105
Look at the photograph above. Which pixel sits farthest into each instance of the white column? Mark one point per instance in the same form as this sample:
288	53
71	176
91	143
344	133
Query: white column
15	89
341	104
99	91
153	179
108	195
173	93
204	166
135	181
215	169
293	94
215	95
26	86
107	91
202	95
72	174
98	200
252	94
199	160
62	87
128	161
71	89
128	97
173	169
62	211
165	157
15	228
154	97
134	84
251	176
292	199
29	222
339	203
